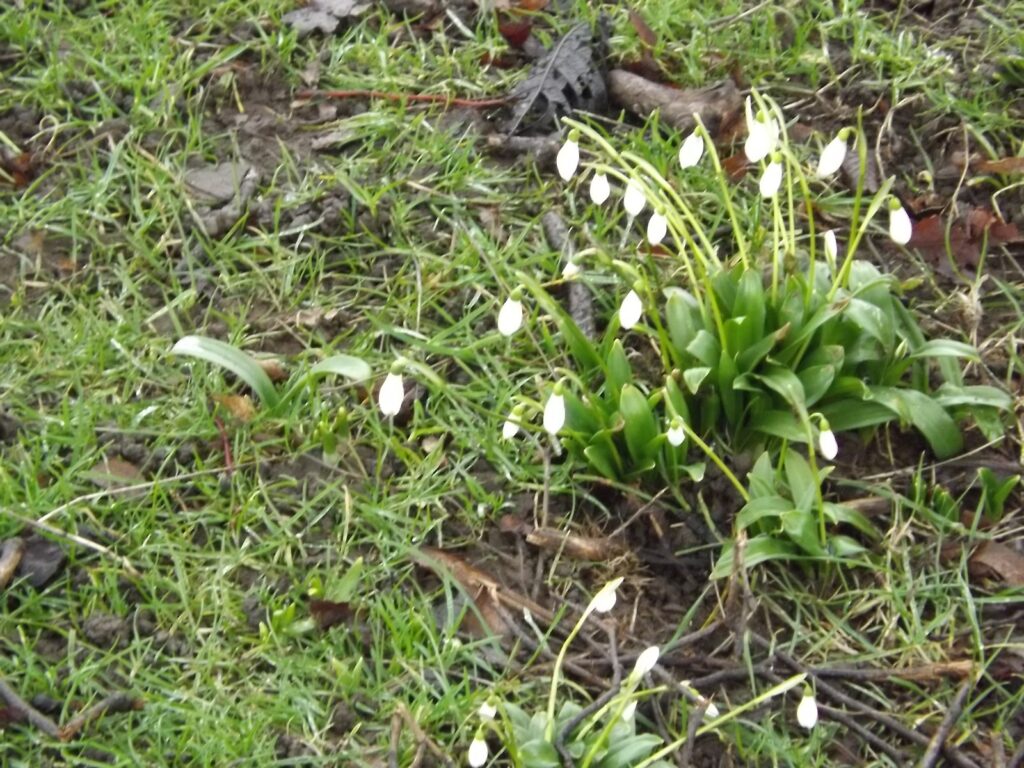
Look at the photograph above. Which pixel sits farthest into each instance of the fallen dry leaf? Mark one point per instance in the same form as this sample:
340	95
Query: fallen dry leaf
595	549
114	472
239	406
10	556
994	560
273	368
966	236
328	613
1004	165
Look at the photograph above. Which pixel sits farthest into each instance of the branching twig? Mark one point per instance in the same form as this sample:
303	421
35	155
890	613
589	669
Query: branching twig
115	702
931	755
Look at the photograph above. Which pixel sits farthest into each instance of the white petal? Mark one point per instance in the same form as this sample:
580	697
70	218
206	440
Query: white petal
510	318
645	661
630	311
827	444
391	395
832	157
771	179
633	200
900	226
712	711
510	429
554	414
629	711
676	435
599	188
831	245
487	711
759	142
807	712
657	228
691	151
477	753
604	600
571	269
568	159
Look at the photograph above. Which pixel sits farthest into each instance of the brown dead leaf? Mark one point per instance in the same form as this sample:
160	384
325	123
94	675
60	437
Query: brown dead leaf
647	35
595	549
239	406
273	368
966	236
328	613
993	560
735	167
10	557
1004	165
114	472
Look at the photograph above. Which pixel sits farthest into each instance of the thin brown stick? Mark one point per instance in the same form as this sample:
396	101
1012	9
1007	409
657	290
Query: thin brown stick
422	739
115	702
1017	758
931	755
396	738
27	711
10	556
430	98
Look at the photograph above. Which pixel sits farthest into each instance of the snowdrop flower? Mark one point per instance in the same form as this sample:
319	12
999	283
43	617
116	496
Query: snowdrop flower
827	445
633	200
675	433
631	310
391	395
691	151
510	318
477	751
599	188
511	427
831	246
570	270
629	711
762	134
807	711
645	662
554	412
900	226
771	179
604	600
657	228
711	711
568	158
832	156
487	710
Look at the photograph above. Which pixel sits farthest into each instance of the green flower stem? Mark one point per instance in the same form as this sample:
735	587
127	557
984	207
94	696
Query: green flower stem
776	234
710	453
549	728
741	242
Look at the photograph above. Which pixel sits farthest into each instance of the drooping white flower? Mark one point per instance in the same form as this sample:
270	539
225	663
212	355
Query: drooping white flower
832	156
645	662
391	395
831	245
568	158
600	189
629	711
692	150
633	199
511	426
827	445
762	135
487	710
570	270
510	318
771	179
711	712
657	228
900	226
477	755
604	600
675	432
554	413
631	310
807	711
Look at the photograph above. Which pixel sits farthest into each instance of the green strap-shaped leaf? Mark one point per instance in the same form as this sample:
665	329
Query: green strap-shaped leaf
930	418
343	365
232	359
640	428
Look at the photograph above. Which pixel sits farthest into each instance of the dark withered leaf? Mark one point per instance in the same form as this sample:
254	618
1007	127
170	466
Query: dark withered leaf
569	77
41	560
328	613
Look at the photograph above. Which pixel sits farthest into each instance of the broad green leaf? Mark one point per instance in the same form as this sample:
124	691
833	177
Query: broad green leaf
803	485
682	316
539	753
604	456
946	348
870	318
930	419
705	348
758	550
343	365
816	381
640	427
675	400
783	424
750	304
751	356
842	514
232	359
731	401
619	372
850	413
787	385
801	526
844	547
627	752
760	508
800	334
694	377
761	477
584	417
949	395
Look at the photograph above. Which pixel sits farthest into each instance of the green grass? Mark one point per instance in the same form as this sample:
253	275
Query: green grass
411	269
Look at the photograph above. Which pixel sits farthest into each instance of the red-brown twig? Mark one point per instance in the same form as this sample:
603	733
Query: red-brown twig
22	708
115	702
430	98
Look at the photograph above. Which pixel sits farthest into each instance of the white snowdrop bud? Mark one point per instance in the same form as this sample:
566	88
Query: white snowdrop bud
691	151
599	188
630	310
391	395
